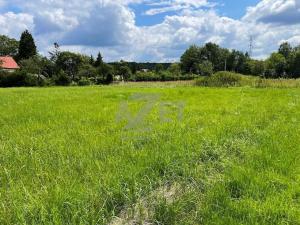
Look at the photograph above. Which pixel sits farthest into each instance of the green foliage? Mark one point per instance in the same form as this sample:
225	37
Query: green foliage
294	64
175	69
84	82
219	58
107	73
257	67
27	47
220	79
205	68
285	49
158	68
37	65
62	79
237	62
109	78
19	79
99	60
167	76
92	60
162	76
70	63
276	63
189	76
8	46
190	59
146	76
125	72
216	55
87	71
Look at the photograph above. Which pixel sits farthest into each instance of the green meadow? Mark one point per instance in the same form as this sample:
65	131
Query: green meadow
150	154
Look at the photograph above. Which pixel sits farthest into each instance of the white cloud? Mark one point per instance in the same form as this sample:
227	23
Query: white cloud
106	25
13	24
294	40
90	26
176	5
275	11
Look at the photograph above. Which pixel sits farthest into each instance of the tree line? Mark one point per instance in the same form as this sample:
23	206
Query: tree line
285	63
65	67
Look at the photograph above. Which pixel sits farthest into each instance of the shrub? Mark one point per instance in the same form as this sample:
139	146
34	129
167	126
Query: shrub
109	78
31	80
62	79
84	82
188	76
161	76
18	79
220	79
168	76
146	76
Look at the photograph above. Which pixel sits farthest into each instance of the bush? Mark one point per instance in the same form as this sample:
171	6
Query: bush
31	80
168	76
18	79
146	76
220	79
84	82
161	76
62	79
109	79
188	76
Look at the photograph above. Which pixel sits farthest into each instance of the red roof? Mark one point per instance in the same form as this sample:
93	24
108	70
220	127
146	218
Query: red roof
7	62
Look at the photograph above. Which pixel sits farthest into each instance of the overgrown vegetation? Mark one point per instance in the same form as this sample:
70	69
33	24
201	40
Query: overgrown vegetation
232	159
221	79
229	79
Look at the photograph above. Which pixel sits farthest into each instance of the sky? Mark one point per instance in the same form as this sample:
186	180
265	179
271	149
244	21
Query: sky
152	30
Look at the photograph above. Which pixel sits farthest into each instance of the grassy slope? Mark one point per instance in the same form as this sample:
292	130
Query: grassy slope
64	159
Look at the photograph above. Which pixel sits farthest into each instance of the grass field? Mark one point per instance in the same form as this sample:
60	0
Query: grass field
232	157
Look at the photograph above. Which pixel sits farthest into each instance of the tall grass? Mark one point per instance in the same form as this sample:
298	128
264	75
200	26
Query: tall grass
229	79
66	160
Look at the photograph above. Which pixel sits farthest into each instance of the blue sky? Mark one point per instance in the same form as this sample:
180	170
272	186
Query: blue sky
152	30
235	9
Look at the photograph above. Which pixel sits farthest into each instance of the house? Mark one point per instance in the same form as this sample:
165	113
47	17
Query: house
7	63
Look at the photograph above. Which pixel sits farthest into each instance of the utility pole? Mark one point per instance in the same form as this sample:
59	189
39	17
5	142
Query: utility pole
250	45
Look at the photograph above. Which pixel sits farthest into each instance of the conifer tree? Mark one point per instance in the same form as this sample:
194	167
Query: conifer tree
27	47
99	60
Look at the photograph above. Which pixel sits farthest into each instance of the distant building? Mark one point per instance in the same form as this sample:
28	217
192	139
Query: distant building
7	63
144	70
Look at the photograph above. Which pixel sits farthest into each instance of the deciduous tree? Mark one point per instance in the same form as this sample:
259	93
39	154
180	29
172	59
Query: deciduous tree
8	46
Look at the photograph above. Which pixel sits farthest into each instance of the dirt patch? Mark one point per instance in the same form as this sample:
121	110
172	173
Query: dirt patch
142	211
